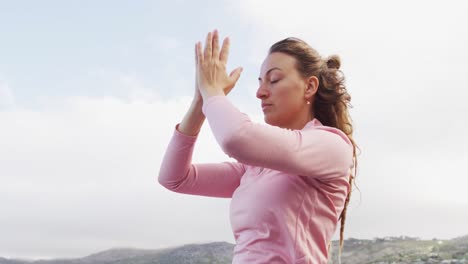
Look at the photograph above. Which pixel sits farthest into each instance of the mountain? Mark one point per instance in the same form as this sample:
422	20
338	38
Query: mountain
217	252
395	250
402	250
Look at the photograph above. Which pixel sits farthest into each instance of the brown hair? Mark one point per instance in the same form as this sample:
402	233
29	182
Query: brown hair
330	103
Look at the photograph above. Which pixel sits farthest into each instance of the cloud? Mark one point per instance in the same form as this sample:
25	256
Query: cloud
164	44
126	85
7	98
82	173
404	69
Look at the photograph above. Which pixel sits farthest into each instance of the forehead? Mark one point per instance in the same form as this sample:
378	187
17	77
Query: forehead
283	61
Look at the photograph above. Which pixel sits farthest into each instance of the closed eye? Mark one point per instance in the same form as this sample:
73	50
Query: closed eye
275	81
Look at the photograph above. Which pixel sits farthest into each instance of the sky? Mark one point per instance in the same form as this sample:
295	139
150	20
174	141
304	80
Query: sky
90	93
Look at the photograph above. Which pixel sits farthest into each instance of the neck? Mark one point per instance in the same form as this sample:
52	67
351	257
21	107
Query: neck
299	123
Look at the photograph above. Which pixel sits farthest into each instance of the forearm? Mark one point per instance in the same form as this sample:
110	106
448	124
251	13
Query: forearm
193	119
178	174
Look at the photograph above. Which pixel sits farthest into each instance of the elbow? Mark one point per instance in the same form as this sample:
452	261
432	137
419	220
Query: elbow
227	145
167	174
172	180
160	179
163	180
234	145
238	143
167	185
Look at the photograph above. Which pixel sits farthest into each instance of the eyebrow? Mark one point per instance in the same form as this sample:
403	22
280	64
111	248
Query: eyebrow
274	68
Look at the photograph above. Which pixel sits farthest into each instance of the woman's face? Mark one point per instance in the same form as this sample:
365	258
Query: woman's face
282	88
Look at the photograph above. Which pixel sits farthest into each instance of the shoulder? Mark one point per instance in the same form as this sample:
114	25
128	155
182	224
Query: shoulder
334	133
332	144
316	128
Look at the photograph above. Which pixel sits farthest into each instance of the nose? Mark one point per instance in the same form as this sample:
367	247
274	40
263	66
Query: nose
262	92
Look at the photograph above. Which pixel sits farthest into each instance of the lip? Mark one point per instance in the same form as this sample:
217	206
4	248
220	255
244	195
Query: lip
264	106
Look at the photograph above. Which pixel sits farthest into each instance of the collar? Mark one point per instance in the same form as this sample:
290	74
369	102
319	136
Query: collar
312	123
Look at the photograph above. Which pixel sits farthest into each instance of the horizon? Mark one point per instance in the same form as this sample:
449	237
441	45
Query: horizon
206	243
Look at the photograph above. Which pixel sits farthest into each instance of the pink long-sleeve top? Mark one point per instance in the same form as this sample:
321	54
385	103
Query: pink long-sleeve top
288	187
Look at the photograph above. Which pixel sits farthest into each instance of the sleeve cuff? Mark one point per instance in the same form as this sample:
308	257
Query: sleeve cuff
209	101
183	137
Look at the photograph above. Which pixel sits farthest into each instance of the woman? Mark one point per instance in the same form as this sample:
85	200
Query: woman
291	183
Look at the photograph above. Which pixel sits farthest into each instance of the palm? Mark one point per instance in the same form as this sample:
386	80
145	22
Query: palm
211	76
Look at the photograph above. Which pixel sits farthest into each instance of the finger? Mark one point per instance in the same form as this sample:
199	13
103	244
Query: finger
196	53
196	65
197	61
223	56
235	75
215	45
199	51
208	48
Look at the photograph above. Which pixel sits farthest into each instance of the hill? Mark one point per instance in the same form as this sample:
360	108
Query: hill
401	250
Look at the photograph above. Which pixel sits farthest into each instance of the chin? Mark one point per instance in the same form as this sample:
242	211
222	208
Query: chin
269	121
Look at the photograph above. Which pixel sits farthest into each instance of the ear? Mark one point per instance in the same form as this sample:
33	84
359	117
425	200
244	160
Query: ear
312	87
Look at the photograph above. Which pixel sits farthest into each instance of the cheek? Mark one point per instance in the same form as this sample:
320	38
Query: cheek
284	93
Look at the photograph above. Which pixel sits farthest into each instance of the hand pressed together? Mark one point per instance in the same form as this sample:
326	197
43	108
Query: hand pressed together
211	75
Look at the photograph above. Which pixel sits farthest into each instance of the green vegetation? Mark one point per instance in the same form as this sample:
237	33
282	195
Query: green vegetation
388	250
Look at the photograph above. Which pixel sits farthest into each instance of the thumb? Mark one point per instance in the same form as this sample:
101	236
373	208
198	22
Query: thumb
235	75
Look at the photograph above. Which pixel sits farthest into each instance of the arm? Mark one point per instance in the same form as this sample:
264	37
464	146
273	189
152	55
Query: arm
194	118
321	151
178	174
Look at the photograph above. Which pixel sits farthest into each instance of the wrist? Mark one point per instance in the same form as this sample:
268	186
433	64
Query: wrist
197	102
212	92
